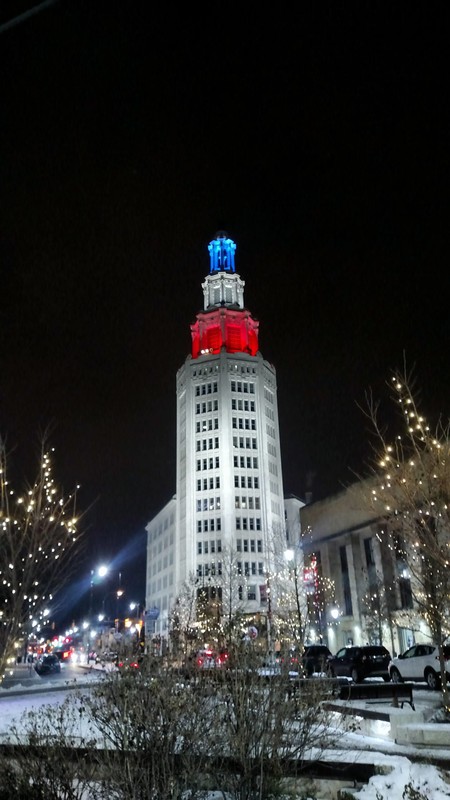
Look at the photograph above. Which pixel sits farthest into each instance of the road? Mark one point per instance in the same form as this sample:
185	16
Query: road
24	676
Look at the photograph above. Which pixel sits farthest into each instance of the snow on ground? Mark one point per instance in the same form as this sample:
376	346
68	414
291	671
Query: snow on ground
400	771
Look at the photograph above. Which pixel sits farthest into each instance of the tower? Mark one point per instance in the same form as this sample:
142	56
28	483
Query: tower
228	507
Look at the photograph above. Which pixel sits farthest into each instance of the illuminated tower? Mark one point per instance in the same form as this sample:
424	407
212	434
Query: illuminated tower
229	486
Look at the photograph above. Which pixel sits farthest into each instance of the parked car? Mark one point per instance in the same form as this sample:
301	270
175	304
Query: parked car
47	664
420	663
274	668
315	659
64	655
107	656
360	662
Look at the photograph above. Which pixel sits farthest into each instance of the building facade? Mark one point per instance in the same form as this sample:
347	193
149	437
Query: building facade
228	507
354	552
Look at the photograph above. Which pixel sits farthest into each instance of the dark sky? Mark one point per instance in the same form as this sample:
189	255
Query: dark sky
315	134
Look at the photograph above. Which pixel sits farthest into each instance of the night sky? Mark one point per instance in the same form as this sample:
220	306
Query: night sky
316	136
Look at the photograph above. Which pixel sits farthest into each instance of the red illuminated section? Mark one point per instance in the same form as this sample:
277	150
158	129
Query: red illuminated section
234	330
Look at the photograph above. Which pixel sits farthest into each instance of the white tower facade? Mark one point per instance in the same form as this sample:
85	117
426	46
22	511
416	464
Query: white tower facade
229	487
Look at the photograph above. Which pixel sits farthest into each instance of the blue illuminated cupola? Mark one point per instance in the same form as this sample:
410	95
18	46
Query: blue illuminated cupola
221	253
223	286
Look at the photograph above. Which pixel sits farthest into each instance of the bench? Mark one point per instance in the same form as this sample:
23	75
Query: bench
397	693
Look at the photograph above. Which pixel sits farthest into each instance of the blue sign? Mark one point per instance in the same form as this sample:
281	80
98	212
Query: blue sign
152	613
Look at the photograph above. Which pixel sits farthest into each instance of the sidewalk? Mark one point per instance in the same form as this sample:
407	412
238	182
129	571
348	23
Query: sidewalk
400	725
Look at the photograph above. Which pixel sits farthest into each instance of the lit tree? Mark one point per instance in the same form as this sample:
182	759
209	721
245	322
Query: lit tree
292	605
182	622
233	585
38	537
412	494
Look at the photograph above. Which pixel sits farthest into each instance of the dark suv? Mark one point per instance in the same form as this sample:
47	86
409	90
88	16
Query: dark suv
359	662
315	659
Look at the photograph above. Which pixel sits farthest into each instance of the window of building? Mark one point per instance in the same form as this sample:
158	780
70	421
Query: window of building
348	606
406	597
251	592
368	550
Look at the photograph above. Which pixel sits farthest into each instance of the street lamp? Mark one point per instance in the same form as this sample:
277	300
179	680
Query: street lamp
101	571
135	607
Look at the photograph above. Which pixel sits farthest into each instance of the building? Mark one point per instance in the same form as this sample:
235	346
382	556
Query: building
354	551
228	512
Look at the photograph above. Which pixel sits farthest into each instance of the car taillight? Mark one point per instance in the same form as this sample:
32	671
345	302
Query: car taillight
66	654
199	661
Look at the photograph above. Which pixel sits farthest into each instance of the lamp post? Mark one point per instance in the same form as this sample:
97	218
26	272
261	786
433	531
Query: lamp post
101	572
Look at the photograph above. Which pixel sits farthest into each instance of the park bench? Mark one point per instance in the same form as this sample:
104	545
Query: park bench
372	691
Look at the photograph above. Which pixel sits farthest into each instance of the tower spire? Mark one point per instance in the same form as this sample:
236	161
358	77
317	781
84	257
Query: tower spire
221	253
224	321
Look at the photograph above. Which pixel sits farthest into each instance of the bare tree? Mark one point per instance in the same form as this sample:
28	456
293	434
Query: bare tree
183	620
411	492
378	609
38	537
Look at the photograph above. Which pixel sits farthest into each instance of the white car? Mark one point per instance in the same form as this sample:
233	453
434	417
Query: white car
273	669
420	663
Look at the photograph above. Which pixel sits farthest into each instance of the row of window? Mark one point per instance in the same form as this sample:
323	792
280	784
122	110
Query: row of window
243	370
244	441
208	463
245	462
246	482
242	386
248	523
208	504
208	483
205	388
247	502
245	568
242	405
207	407
211	424
205	525
242	424
207	444
249	545
205	371
209	546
